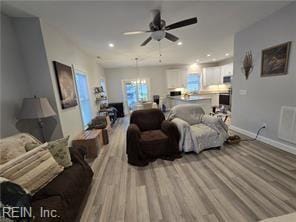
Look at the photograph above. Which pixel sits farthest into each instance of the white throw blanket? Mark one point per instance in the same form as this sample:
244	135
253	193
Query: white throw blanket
198	131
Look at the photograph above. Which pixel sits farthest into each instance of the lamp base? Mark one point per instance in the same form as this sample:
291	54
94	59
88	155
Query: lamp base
41	126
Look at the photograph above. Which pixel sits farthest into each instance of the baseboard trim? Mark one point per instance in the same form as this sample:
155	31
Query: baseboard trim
266	140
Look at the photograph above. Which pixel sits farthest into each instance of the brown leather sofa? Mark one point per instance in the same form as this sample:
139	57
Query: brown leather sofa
150	136
66	193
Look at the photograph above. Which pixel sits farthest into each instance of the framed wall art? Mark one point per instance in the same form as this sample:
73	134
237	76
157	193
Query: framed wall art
66	85
275	60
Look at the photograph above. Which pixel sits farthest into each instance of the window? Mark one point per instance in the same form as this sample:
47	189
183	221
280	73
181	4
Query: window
136	91
84	100
193	82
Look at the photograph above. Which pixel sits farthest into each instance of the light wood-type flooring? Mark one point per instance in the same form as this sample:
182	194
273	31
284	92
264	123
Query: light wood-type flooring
246	182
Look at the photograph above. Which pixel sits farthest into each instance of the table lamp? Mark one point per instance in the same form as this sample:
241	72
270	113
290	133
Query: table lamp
36	108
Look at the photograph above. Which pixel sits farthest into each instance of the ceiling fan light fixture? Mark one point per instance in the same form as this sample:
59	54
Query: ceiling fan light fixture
158	28
158	35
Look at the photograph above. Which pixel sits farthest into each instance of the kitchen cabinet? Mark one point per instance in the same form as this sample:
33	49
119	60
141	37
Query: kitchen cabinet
175	78
212	76
226	70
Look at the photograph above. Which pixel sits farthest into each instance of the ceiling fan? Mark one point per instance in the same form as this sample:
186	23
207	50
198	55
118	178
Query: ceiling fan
158	28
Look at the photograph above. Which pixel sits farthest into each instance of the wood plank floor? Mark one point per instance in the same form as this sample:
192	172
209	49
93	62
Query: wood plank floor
246	182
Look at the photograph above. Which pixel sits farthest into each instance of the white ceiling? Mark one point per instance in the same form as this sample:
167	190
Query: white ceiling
93	25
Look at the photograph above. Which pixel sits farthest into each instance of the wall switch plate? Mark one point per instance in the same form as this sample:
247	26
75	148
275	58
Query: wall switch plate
243	92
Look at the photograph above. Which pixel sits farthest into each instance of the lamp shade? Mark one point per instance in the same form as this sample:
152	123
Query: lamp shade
36	108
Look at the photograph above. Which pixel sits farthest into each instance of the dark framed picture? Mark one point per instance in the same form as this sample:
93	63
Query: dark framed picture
66	85
275	60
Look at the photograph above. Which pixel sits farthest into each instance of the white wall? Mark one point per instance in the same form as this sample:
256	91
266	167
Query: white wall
114	77
265	96
14	83
31	45
157	76
60	48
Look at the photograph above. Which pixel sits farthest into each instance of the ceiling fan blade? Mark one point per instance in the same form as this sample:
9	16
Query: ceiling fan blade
146	41
183	23
171	37
156	18
135	32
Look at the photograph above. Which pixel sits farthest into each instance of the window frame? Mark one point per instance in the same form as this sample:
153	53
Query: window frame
199	82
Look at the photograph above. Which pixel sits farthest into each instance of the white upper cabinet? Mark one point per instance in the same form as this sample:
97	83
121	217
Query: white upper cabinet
227	70
175	78
212	76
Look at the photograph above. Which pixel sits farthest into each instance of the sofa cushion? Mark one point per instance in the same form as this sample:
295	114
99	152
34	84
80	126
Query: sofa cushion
59	150
14	146
154	143
204	135
153	137
32	170
71	185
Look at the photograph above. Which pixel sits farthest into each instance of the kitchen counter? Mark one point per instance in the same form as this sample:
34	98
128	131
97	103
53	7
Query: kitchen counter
204	101
190	98
213	92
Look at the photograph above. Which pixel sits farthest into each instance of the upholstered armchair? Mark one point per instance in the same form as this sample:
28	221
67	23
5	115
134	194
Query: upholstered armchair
198	131
150	136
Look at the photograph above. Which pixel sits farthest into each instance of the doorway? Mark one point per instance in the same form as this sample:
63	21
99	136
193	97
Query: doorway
84	99
135	91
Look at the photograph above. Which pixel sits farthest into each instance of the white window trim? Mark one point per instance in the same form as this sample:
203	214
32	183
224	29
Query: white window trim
124	94
80	72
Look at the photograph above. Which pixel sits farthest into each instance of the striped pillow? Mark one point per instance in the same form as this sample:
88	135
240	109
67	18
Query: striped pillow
32	170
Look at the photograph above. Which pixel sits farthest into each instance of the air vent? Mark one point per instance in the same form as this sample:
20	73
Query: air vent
287	126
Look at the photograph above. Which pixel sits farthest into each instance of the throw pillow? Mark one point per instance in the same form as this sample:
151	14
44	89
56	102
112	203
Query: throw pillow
14	146
30	146
14	196
59	150
32	170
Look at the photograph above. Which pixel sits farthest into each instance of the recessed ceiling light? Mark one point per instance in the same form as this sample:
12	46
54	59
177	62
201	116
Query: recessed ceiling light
180	43
226	54
208	55
111	45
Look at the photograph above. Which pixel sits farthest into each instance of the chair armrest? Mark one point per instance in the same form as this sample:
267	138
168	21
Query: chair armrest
133	136
133	131
133	148
181	124
170	129
215	123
